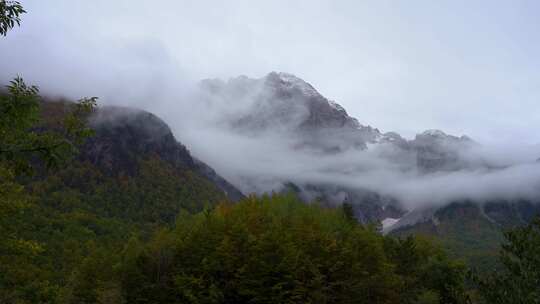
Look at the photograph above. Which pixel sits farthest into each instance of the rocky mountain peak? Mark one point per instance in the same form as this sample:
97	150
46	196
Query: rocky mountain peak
286	81
283	102
286	103
437	150
434	134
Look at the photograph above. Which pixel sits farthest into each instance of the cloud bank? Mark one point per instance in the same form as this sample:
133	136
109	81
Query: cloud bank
263	161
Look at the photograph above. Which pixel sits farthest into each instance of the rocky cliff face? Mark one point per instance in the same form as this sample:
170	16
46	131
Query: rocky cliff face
285	104
435	151
124	135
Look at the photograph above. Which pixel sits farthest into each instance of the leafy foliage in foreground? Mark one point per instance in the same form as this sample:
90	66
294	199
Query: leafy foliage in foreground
10	12
22	137
22	146
280	250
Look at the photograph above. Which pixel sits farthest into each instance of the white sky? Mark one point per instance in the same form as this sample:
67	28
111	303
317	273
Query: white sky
466	67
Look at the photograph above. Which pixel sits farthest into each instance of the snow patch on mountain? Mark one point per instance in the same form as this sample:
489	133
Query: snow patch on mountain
387	223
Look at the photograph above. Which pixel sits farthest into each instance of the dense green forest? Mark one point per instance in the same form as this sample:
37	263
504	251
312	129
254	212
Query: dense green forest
75	228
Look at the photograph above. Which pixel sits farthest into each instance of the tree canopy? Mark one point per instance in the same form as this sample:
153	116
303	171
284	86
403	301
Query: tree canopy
279	250
10	12
519	279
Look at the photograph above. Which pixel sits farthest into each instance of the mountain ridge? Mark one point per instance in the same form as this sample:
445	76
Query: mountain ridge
133	158
285	105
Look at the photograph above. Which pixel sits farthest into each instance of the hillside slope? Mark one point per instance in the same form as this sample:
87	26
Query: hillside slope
130	179
471	232
134	151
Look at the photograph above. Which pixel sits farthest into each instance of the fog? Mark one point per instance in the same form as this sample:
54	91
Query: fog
463	68
264	164
265	161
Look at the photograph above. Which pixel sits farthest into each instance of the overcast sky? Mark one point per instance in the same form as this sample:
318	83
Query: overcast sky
466	67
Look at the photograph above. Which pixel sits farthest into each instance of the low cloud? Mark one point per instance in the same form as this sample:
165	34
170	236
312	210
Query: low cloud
265	161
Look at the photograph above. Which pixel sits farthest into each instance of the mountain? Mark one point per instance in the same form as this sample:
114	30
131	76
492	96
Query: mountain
132	168
283	103
283	106
124	135
287	105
